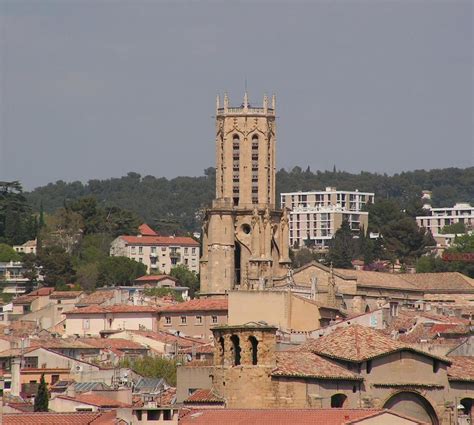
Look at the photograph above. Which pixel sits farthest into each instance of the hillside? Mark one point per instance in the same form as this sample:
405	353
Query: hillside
175	203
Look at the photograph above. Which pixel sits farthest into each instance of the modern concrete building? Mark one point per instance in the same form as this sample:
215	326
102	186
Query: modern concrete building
244	235
441	217
158	253
315	216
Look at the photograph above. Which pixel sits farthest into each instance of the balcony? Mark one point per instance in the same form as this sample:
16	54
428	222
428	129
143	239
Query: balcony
175	254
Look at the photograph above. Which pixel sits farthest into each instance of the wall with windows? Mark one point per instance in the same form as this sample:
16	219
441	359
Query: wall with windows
196	324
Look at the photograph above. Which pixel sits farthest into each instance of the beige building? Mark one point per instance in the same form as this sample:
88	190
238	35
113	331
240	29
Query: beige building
29	247
97	320
440	217
244	235
316	216
158	253
194	318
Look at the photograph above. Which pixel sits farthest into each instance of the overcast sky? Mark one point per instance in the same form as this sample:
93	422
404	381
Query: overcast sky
95	89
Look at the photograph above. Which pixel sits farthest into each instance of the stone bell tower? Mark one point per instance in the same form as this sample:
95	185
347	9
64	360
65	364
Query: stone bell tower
245	237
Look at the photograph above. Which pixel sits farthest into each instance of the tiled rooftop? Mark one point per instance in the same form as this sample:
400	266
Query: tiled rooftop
168	338
273	416
65	295
160	240
205	304
306	364
43	418
154	278
204	396
115	343
462	369
357	343
118	308
96	400
97	297
146	230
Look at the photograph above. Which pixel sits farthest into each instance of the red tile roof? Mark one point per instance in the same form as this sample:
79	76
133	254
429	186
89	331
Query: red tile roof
462	369
205	304
41	292
47	418
160	240
97	297
155	278
309	365
169	338
115	343
146	230
204	396
358	343
273	416
65	295
96	400
118	308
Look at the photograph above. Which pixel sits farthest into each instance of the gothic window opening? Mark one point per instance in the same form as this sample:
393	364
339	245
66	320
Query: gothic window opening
255	169
222	350
236	349
254	349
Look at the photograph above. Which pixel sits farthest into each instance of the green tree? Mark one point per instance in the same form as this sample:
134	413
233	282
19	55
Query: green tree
186	277
430	264
341	247
302	256
366	248
114	271
464	243
87	276
405	240
383	212
163	292
7	253
56	266
456	228
153	367
42	397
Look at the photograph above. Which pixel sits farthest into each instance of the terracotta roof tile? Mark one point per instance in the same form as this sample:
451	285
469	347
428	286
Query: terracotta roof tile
41	292
168	338
274	416
146	230
96	400
205	304
155	278
97	297
65	295
204	396
160	240
440	281
462	369
306	364
358	343
47	418
115	343
118	308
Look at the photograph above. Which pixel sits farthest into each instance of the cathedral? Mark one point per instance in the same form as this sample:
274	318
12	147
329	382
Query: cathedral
244	234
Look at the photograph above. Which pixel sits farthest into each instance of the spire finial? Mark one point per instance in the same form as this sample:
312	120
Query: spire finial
226	102
246	100
265	103
273	102
218	103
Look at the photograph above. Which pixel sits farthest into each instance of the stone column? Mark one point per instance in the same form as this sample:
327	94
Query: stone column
16	377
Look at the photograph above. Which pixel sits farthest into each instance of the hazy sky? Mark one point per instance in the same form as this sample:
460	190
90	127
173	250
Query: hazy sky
94	89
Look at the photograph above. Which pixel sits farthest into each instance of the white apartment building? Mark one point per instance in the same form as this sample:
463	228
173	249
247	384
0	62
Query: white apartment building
317	215
158	253
440	217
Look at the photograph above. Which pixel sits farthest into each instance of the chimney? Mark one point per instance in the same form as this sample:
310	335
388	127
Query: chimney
15	370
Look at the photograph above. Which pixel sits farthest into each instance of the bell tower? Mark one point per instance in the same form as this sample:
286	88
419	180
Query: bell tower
245	237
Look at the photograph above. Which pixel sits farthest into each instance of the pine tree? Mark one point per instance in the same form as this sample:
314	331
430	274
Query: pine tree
341	248
42	397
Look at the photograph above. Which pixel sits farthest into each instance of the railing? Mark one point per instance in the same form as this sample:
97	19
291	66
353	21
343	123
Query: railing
250	110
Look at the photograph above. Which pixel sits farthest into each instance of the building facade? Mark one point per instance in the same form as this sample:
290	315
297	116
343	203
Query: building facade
244	235
158	253
315	216
441	217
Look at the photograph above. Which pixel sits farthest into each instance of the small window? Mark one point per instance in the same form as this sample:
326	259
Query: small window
338	400
167	415
198	320
153	415
436	365
7	385
140	250
183	320
168	320
85	323
153	249
369	366
163	248
186	250
214	319
193	251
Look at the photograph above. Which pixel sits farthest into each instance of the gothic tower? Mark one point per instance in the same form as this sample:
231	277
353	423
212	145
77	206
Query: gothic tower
244	235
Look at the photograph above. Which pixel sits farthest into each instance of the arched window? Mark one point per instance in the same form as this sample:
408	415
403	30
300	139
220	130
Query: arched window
338	400
236	349
254	349
367	309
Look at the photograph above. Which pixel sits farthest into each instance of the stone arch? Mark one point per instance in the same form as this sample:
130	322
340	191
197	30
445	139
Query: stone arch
338	400
221	350
412	404
253	345
467	410
367	308
236	350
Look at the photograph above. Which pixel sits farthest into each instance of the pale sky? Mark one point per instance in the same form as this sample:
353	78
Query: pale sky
95	89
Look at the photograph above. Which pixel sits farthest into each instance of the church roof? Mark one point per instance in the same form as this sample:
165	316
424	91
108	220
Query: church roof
356	343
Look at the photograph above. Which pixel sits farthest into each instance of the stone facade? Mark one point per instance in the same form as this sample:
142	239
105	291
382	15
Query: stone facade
244	236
